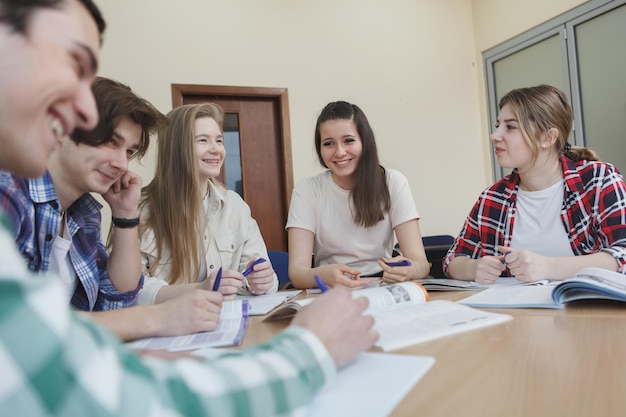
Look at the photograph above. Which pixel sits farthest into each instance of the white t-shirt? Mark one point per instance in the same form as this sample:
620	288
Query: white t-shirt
538	226
322	207
60	262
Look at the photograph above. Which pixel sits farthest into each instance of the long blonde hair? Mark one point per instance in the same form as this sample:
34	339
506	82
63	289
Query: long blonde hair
174	197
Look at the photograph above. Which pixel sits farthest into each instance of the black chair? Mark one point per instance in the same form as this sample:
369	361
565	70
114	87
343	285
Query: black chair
438	240
436	248
280	263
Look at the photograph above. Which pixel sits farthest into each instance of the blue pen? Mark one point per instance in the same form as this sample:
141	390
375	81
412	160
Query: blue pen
249	270
218	278
404	262
504	258
320	284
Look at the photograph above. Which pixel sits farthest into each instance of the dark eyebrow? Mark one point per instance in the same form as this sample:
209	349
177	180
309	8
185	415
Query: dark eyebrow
121	140
510	120
92	57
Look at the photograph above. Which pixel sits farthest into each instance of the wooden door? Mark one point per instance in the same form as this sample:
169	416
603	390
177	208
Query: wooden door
265	149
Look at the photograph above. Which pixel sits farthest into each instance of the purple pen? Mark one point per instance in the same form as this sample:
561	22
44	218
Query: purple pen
320	284
249	271
218	278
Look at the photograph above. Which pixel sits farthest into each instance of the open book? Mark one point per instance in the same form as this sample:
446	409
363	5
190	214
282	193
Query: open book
259	305
403	316
588	283
447	284
229	332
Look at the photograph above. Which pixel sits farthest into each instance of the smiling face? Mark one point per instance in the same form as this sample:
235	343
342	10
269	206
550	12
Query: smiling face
45	84
341	148
510	147
209	145
79	169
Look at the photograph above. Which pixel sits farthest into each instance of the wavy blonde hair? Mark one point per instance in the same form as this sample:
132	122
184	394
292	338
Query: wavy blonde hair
174	197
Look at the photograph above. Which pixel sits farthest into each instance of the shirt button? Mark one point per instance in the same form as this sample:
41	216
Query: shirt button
211	266
54	205
48	238
232	246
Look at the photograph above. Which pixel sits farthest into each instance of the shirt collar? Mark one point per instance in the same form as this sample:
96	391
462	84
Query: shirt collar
41	189
573	182
217	194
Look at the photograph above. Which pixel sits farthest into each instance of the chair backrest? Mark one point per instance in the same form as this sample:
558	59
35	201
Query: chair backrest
280	263
437	240
436	248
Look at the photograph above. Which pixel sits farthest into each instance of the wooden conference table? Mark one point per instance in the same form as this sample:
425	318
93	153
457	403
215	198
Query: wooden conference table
568	362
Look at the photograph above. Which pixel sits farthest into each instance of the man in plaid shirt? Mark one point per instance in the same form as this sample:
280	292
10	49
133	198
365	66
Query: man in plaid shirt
55	363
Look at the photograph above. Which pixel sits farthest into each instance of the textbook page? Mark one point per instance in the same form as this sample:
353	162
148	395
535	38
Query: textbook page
392	296
230	331
388	296
592	283
354	392
417	323
448	284
263	304
362	390
514	297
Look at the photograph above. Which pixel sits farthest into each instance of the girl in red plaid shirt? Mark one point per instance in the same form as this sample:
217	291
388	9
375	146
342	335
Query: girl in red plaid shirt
560	210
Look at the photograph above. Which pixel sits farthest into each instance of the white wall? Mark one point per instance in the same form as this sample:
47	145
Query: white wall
413	66
496	21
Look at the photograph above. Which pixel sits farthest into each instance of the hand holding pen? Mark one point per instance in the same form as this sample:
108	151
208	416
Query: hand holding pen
227	282
397	270
259	277
489	268
340	274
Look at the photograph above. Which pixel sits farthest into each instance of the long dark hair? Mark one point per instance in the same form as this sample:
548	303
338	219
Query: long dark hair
370	195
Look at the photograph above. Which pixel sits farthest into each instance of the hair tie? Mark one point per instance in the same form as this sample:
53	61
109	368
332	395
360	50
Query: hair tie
568	147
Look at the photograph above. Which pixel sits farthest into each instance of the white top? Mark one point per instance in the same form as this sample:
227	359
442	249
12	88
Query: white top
60	262
538	226
323	208
231	241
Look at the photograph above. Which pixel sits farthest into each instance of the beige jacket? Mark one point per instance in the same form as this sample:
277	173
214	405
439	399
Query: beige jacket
232	239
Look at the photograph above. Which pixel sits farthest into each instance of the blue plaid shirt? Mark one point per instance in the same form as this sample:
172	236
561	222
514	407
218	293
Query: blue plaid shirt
34	211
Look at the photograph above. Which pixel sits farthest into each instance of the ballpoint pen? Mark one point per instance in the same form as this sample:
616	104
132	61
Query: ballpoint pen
320	284
403	262
218	278
504	257
250	269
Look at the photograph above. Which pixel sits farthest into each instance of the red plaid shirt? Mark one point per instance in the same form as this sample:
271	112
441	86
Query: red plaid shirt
593	214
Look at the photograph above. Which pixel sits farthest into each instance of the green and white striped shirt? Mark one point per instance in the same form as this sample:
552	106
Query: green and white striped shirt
57	363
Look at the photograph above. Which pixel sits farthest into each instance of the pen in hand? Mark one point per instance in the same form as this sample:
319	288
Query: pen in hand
218	278
504	257
323	288
249	271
